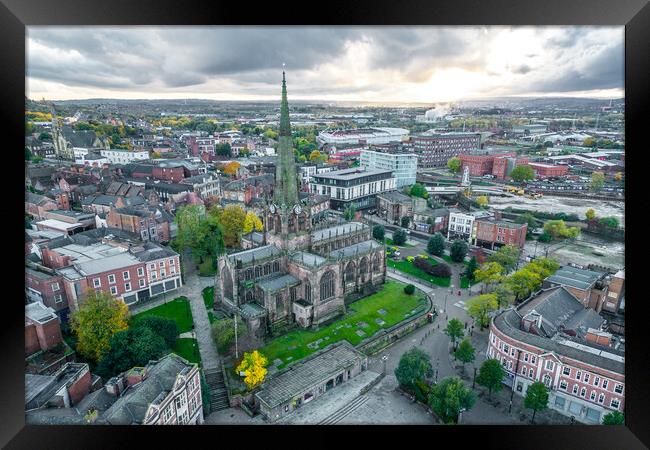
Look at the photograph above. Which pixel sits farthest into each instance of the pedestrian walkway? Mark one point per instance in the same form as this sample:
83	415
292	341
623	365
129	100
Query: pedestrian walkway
194	292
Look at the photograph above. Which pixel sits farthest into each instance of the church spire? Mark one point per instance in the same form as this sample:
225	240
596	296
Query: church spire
285	192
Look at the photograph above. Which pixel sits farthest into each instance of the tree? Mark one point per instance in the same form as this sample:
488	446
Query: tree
528	219
409	289
507	256
163	327
317	157
536	398
543	267
609	222
597	181
465	353
545	237
223	332
558	229
192	231
504	295
399	237
45	137
491	375
414	365
232	219
618	176
449	397
98	318
523	282
454	164
614	418
458	251
406	220
590	214
436	245
378	232
489	273
441	270
231	168
28	154
36	159
454	330
522	173
482	201
349	212
589	142
252	222
253	365
418	190
480	307
472	266
223	149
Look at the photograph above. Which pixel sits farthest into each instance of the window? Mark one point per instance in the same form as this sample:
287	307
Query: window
566	371
592	396
162	273
583	392
58	298
549	365
113	290
140	271
596	381
575	389
55	287
127	287
526	357
586	380
601	398
530	373
111	278
523	371
141	282
533	359
512	351
152	267
605	382
126	276
167	414
578	375
97	282
618	388
154	275
494	339
560	401
547	380
161	264
563	385
509	365
171	261
172	270
615	403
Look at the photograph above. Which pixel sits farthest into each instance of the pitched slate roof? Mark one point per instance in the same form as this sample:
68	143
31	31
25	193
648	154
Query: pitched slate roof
279	282
352	250
258	253
337	230
574	277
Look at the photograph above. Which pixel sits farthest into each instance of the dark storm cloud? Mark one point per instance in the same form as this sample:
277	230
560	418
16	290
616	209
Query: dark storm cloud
522	69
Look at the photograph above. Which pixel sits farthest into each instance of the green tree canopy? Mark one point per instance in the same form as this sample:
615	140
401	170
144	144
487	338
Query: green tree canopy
454	164
223	149
491	375
480	307
399	237
522	173
131	348
536	398
349	212
597	181
378	232
414	365
558	229
436	244
504	295
223	332
28	154
590	214
507	256
406	220
454	330
489	273
465	353
418	190
458	251
163	327
472	266
614	418
449	397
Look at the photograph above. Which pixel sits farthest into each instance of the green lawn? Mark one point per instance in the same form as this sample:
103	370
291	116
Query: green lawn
208	297
392	299
177	309
409	268
188	348
465	283
389	241
206	269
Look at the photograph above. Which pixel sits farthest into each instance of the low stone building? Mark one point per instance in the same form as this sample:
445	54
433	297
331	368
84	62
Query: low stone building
394	205
310	378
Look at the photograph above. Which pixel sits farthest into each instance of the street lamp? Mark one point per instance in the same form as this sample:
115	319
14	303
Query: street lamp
384	359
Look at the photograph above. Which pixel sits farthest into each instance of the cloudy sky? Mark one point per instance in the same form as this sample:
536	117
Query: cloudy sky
377	64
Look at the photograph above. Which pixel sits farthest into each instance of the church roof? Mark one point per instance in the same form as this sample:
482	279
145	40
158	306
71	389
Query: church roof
337	230
352	250
308	259
254	253
277	283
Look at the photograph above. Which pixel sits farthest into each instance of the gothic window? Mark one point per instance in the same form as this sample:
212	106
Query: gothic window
350	272
327	285
258	271
249	274
267	268
269	223
249	296
292	294
276	266
363	266
307	292
376	263
278	302
227	283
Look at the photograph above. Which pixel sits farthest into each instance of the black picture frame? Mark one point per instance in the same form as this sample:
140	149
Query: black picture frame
633	14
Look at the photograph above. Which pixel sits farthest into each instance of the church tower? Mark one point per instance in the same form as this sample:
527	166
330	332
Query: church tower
287	221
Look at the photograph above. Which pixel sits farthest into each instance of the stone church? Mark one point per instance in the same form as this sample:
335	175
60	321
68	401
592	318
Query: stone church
298	274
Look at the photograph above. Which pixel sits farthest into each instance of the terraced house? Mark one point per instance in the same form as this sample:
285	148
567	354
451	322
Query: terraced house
297	275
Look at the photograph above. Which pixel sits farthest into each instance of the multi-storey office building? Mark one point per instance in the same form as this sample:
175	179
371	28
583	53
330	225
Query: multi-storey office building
403	165
435	149
120	156
462	225
353	187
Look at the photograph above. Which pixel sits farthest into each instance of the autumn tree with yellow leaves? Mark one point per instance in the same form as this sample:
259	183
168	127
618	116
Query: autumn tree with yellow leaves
253	367
252	222
98	318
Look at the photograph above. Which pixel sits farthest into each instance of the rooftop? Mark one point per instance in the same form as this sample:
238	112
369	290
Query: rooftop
258	253
278	282
308	259
107	264
352	174
574	277
337	230
361	247
59	225
307	373
40	313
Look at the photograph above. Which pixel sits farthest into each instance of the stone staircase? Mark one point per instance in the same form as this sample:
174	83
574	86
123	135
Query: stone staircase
345	411
218	391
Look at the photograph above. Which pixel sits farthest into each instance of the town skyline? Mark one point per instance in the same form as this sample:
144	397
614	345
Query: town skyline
418	65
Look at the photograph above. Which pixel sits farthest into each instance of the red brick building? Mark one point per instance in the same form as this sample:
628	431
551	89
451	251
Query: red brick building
37	205
549	170
552	338
42	328
493	233
151	223
173	174
503	165
46	286
500	165
479	165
